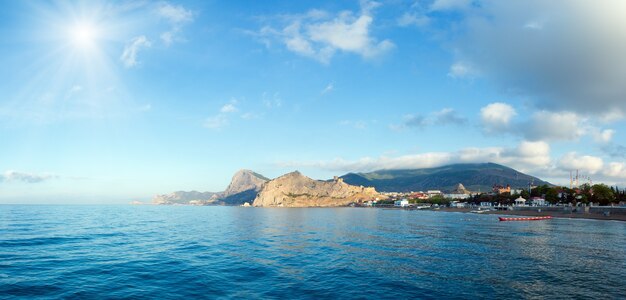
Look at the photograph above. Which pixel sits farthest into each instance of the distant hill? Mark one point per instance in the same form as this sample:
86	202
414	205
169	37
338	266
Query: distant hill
475	177
183	197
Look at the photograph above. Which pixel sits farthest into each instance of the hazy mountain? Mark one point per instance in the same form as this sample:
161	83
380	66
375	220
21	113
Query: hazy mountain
475	177
296	190
182	197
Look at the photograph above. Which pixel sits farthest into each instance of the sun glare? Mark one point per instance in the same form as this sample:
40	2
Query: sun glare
83	35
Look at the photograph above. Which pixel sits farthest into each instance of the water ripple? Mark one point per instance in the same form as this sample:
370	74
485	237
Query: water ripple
79	252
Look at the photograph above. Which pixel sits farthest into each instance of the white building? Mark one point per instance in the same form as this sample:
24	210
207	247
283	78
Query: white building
456	196
516	191
520	201
458	204
401	203
537	201
433	193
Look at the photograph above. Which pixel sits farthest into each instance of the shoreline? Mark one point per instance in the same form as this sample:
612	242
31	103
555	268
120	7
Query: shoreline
554	214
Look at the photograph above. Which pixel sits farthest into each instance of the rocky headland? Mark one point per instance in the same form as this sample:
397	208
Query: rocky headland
243	188
296	190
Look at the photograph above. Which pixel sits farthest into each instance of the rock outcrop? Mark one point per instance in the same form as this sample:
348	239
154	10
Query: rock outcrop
296	190
243	187
460	189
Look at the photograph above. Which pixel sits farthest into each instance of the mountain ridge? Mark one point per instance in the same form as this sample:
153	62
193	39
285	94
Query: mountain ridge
476	177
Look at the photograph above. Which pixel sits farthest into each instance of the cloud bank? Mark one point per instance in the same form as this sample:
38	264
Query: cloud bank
526	155
16	176
565	54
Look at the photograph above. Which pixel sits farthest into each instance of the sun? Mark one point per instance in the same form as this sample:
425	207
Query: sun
83	35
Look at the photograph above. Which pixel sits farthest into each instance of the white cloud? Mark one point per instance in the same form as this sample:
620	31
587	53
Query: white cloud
605	135
129	56
229	108
177	16
527	156
329	88
446	116
585	163
413	19
26	177
542	125
319	36
545	125
616	169
462	70
562	54
497	116
167	37
222	119
174	13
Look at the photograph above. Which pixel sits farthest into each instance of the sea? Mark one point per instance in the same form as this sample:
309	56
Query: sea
185	252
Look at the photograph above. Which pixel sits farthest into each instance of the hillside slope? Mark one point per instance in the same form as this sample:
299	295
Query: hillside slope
475	177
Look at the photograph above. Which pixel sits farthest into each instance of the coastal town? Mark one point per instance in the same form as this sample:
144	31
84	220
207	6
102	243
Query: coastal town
592	201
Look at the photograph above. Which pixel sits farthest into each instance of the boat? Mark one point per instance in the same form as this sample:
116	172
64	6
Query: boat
481	210
525	218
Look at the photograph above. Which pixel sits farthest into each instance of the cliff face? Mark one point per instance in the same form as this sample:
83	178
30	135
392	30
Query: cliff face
296	190
243	187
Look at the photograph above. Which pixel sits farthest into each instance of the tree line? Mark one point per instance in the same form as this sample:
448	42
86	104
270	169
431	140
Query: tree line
586	193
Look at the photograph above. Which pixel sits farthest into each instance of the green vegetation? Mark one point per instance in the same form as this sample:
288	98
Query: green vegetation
598	193
292	195
440	200
603	194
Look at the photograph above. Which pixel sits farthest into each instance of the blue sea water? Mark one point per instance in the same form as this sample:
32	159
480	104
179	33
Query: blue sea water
160	252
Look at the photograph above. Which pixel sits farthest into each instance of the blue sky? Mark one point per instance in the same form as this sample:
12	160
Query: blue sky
118	101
